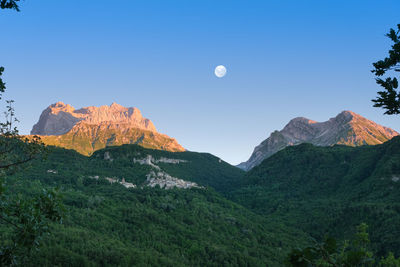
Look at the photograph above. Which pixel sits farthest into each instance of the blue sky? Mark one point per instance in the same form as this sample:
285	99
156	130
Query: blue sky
284	58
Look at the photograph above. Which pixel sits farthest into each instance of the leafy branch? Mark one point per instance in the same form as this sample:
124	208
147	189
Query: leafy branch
389	98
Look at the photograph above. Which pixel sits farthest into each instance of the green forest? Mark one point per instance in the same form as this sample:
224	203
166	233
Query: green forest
107	224
330	190
256	219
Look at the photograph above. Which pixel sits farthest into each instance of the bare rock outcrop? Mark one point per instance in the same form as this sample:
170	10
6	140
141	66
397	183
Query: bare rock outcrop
60	118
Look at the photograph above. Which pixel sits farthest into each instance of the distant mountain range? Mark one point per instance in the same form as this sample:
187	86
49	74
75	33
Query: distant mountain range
91	128
347	128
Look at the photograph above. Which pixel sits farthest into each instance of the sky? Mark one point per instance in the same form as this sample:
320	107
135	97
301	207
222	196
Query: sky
284	59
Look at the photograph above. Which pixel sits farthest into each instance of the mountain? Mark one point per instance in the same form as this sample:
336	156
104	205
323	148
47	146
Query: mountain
330	190
347	128
116	217
91	128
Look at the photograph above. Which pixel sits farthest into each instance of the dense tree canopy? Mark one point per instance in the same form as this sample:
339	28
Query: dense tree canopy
351	253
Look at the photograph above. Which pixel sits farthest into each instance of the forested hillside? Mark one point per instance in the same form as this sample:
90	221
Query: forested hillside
108	224
301	192
330	190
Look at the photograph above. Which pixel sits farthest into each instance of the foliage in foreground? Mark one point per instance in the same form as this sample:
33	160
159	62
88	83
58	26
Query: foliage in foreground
23	220
350	253
389	98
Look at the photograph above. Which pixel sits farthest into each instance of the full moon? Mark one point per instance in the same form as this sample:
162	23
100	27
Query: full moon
220	71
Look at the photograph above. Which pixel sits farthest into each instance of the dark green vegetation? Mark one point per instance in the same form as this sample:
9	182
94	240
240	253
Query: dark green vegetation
330	190
316	190
389	98
24	219
353	252
108	224
202	168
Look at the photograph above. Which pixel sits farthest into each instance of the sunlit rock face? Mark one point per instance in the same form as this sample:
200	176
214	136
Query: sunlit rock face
89	129
347	128
59	118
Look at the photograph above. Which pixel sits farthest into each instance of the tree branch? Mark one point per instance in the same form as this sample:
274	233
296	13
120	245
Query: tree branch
10	222
16	163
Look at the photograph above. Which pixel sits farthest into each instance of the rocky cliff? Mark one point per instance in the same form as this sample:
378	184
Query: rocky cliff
347	128
60	118
89	129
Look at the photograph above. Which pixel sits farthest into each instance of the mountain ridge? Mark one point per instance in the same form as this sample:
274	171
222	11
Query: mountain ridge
91	128
347	128
59	118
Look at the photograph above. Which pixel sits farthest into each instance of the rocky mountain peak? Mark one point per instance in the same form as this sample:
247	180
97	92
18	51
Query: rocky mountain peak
116	106
301	120
347	128
346	116
59	118
60	106
91	128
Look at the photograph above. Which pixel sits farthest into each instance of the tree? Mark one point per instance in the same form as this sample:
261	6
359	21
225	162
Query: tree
389	98
23	221
329	254
9	4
